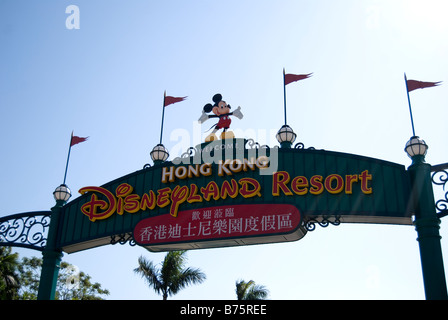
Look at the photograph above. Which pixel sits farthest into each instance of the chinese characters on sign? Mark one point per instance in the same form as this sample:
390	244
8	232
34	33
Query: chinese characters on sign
215	223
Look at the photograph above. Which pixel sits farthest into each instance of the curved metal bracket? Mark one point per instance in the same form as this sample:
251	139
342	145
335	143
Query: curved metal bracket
123	238
310	223
439	177
27	230
300	145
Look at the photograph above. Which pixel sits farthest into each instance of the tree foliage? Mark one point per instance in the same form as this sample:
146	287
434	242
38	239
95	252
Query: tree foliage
9	277
19	280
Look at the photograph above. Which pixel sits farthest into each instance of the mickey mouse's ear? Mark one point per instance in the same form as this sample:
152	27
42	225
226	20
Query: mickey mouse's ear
217	97
208	107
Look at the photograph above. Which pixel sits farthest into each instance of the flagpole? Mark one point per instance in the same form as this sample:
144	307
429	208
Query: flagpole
163	115
284	93
68	157
409	102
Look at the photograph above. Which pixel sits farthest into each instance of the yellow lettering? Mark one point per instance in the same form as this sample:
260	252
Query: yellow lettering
167	175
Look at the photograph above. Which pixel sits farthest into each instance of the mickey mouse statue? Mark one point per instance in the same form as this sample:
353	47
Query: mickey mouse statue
221	110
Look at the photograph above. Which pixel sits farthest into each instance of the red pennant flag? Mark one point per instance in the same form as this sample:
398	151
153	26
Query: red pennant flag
76	140
170	100
295	77
414	84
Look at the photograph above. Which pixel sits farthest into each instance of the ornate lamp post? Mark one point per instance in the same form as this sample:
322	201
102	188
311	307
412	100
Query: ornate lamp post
426	221
286	136
52	255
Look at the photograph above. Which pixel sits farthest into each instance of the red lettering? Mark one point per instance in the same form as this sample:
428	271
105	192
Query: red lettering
91	207
279	181
227	190
349	179
211	190
339	184
122	190
148	201
365	177
245	191
194	197
178	196
163	197
300	185
131	203
316	185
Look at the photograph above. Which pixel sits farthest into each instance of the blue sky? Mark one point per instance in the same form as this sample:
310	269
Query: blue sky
106	80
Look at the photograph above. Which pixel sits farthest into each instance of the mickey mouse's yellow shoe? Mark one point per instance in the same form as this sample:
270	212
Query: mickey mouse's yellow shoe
211	137
227	135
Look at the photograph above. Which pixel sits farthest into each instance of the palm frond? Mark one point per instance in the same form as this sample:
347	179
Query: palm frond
185	278
250	291
257	292
149	272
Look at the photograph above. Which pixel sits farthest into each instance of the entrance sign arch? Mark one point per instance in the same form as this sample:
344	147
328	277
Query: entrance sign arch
317	184
234	192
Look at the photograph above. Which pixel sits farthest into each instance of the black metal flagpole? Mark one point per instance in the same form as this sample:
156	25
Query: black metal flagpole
284	93
409	102
68	157
163	115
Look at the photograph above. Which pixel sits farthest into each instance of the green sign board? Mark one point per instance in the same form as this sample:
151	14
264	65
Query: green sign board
233	192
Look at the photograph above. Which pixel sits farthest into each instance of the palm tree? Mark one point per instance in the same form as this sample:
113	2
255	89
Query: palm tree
250	291
9	279
172	277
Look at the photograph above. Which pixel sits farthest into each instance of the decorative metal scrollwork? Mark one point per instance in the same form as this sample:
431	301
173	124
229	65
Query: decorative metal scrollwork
310	223
191	152
440	178
28	230
185	157
251	144
300	145
123	239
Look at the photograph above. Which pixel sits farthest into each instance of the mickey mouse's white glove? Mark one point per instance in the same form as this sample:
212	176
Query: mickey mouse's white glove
203	117
237	113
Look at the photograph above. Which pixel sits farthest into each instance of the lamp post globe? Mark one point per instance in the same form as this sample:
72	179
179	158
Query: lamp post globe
159	154
416	149
286	136
62	194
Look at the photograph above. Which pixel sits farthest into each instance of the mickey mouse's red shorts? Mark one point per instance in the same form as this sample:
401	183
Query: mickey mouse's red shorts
224	122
